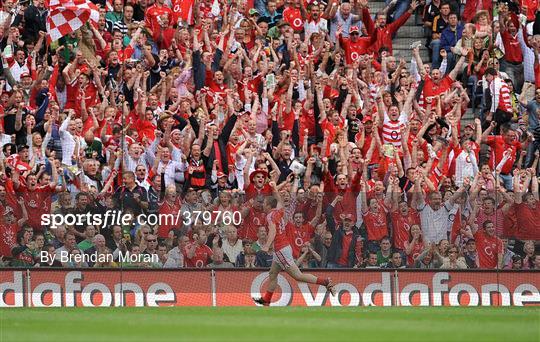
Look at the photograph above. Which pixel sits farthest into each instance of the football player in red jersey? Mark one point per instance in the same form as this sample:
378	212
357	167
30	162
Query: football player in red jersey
283	258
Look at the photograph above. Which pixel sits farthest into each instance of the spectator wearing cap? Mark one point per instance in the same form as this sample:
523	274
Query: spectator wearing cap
354	45
341	253
512	61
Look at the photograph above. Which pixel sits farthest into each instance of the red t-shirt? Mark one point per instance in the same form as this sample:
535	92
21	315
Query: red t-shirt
168	224
432	89
488	247
152	14
376	225
298	236
402	225
527	222
512	49
353	50
293	17
200	259
498	146
38	203
251	223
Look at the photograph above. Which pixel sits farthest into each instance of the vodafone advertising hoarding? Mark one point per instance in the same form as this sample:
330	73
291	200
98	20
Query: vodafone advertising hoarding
89	288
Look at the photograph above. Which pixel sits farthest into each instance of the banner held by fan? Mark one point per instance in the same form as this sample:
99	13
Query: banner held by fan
66	16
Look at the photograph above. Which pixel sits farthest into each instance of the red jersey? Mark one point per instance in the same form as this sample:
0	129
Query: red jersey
498	146
432	89
376	225
512	49
527	224
298	236
38	203
402	225
417	249
281	240
489	247
252	191
251	223
353	50
200	259
152	14
293	17
165	211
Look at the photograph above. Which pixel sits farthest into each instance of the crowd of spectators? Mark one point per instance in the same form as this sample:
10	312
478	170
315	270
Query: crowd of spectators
381	162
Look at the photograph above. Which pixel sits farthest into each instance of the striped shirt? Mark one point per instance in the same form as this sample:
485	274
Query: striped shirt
501	96
391	132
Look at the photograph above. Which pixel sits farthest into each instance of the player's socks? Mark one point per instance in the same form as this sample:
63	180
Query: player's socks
267	297
322	281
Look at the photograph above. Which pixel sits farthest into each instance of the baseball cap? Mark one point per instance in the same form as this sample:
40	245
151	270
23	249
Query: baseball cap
221	175
354	29
367	118
471	126
253	12
25	74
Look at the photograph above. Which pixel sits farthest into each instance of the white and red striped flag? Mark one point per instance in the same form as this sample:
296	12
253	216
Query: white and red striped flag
66	16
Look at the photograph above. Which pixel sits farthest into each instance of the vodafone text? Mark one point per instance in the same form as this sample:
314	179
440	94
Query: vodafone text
70	289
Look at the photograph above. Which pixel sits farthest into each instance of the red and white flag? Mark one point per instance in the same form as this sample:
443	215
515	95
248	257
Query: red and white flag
66	16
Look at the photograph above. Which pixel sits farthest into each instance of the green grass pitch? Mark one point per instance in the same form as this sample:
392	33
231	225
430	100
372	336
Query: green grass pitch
271	324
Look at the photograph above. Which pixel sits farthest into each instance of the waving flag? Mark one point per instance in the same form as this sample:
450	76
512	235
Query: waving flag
66	16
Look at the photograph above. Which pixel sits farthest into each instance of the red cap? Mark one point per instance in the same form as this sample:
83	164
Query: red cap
25	74
221	175
354	29
367	118
254	173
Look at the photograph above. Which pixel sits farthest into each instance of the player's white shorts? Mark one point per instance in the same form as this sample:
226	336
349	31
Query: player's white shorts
284	257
